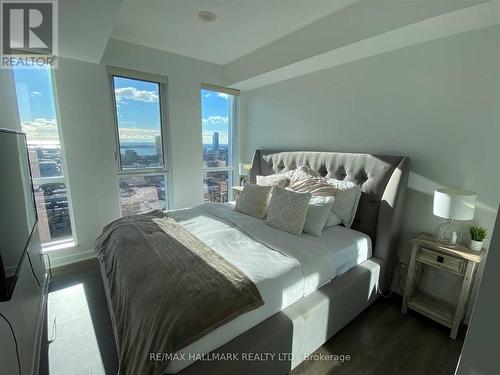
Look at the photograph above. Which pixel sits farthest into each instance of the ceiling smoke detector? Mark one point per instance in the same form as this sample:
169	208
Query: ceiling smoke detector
207	16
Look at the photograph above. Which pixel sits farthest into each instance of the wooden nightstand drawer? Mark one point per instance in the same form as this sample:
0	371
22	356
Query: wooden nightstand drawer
440	260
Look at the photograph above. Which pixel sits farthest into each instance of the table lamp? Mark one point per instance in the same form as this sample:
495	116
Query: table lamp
453	204
244	171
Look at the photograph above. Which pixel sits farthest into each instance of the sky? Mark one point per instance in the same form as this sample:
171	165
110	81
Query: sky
214	113
36	105
137	109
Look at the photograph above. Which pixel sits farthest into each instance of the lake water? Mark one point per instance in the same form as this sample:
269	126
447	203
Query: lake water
140	149
148	149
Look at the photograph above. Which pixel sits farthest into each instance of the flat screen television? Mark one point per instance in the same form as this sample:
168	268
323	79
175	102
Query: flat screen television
18	216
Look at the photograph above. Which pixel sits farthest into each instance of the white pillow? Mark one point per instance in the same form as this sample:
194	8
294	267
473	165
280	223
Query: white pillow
253	200
287	210
277	179
317	214
333	220
346	202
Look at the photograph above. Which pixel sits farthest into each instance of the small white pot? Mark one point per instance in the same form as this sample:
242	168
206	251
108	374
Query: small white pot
476	245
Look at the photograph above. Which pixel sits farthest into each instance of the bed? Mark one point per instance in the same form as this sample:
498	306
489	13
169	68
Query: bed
311	286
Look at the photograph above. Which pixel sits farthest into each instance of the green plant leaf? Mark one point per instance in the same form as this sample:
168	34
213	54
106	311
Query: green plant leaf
478	233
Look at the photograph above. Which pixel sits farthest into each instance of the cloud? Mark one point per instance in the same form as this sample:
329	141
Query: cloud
209	94
36	93
137	134
41	131
132	93
215	120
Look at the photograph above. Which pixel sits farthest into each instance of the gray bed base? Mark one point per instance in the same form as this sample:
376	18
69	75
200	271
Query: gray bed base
307	324
299	329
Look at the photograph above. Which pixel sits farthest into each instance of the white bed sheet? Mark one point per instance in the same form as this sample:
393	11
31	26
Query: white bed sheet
284	267
349	246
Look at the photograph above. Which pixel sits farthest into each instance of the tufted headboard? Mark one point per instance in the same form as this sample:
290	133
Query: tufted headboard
383	184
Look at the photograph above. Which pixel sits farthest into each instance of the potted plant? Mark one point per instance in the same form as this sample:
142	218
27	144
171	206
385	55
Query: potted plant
477	236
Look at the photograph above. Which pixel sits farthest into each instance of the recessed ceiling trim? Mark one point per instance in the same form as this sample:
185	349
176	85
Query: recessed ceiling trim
463	20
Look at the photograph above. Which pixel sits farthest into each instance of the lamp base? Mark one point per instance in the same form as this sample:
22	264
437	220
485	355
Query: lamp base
449	233
243	181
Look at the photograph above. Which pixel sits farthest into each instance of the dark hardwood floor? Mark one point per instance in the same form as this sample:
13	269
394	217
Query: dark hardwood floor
381	340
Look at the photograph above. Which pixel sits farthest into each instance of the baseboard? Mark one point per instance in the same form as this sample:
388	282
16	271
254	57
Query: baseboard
58	260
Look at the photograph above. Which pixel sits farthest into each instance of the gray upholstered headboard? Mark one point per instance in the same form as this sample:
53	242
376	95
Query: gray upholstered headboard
383	184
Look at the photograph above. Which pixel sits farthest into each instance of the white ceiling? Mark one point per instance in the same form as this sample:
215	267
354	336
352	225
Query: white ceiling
85	27
242	26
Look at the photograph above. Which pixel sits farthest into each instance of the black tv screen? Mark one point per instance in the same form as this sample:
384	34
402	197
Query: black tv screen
17	212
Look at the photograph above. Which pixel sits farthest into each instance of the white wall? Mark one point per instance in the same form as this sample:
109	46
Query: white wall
9	116
480	351
435	102
87	126
86	117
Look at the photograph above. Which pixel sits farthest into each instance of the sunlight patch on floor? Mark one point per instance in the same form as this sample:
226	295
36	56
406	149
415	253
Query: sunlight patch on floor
75	350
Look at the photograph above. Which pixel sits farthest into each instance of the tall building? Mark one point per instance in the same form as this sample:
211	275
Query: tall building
159	150
215	142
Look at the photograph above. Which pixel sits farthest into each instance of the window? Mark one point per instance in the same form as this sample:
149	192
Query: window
142	167
37	112
218	109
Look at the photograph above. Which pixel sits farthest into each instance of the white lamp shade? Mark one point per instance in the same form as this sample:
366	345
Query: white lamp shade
454	204
244	169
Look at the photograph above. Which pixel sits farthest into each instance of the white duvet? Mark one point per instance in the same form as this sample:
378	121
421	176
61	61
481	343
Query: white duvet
284	267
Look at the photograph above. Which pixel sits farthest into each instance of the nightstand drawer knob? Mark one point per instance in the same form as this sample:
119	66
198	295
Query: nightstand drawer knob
440	259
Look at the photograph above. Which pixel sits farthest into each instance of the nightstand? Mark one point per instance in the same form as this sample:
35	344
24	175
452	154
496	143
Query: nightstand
458	260
236	190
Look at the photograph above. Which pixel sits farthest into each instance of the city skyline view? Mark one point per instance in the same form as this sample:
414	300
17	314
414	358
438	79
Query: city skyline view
37	115
215	108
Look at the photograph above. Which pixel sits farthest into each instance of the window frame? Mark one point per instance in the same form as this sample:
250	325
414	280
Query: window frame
71	240
165	169
233	127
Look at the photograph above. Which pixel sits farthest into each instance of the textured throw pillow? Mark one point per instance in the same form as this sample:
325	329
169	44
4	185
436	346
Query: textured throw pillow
277	179
317	214
253	200
346	202
301	173
287	210
317	186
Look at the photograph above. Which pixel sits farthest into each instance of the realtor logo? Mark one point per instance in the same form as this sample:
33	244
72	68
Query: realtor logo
29	34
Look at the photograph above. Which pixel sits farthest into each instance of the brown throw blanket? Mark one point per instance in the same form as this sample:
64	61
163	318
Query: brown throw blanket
166	289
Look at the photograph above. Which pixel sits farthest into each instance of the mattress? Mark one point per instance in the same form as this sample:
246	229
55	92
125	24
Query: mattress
349	247
284	267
